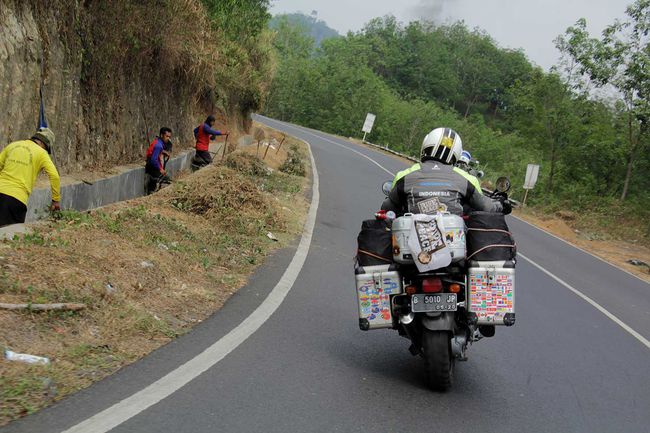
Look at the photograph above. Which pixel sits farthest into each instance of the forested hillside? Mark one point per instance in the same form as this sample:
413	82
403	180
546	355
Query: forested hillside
317	29
594	153
112	73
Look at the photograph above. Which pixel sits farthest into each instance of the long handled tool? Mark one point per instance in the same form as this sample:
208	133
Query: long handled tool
280	145
225	146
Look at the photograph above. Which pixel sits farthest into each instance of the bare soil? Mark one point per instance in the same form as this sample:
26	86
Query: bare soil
616	252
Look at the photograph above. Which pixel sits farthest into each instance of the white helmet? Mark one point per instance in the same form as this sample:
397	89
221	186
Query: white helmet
442	144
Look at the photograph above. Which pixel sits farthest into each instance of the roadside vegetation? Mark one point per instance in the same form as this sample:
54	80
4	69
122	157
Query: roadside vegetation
147	271
585	122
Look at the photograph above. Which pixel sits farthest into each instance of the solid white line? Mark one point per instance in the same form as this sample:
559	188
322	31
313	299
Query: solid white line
173	381
593	303
578	248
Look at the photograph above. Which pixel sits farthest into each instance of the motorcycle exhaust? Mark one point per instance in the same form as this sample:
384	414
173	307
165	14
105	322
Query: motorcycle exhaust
406	319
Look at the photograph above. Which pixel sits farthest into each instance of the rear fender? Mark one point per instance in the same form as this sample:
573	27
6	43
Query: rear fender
444	322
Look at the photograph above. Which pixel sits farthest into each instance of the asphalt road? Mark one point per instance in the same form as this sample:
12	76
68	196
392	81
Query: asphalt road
564	367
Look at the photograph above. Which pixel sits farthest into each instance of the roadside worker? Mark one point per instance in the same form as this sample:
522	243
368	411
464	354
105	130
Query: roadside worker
203	134
154	165
20	163
167	153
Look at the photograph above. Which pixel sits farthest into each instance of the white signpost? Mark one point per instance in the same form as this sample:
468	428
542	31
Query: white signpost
532	171
367	125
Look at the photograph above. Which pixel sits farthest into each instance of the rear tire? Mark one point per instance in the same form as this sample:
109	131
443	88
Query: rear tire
438	360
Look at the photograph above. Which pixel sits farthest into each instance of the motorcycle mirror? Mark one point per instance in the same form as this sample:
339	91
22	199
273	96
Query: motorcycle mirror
386	187
480	174
503	184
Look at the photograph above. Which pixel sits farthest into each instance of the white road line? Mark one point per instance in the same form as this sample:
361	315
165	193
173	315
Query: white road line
176	379
593	303
586	298
578	248
303	130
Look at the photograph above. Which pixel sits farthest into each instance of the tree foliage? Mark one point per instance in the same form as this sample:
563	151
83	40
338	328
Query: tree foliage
620	59
419	76
247	50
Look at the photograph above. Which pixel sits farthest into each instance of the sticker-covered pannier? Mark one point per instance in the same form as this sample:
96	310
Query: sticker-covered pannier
491	292
375	286
489	238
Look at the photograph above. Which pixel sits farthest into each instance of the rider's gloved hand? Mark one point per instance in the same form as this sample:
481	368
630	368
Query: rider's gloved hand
507	206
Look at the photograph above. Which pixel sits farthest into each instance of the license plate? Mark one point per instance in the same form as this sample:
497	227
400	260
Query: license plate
427	303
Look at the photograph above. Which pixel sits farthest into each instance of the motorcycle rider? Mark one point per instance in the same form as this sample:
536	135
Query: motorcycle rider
464	164
435	185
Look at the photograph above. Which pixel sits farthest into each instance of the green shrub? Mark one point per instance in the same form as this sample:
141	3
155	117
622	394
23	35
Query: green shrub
295	162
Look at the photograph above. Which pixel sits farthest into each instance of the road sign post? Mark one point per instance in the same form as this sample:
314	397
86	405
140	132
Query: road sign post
368	124
532	171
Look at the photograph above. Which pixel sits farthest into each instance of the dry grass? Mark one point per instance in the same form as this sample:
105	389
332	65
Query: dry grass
617	252
148	270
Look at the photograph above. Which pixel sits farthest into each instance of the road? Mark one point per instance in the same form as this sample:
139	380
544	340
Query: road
576	361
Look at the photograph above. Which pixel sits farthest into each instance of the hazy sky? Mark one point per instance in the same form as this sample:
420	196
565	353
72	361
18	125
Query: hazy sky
528	24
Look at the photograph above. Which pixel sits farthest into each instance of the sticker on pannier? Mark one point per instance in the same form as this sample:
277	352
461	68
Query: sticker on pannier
491	296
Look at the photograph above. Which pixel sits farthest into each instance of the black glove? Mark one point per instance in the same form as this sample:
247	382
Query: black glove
507	206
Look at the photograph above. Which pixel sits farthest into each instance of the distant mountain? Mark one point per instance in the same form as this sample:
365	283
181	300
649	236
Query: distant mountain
318	29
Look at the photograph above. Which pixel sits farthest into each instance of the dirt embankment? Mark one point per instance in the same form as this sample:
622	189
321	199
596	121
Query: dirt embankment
622	253
147	270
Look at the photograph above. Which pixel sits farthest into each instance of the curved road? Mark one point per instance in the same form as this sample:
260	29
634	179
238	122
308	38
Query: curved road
576	361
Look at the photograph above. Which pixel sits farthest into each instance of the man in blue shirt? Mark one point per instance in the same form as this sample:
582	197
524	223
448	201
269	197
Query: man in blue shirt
154	165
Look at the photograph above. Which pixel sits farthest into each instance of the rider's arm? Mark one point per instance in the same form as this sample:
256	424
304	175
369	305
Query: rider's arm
395	198
480	202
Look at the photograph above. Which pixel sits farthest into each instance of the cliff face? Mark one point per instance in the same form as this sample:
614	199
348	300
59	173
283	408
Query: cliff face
112	75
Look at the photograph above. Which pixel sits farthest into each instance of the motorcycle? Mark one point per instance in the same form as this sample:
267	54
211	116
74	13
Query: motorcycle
442	311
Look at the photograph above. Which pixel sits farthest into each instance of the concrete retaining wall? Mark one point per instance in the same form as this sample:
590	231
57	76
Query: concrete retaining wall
81	196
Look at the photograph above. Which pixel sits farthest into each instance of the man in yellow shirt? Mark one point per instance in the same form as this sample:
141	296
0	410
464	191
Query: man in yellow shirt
20	163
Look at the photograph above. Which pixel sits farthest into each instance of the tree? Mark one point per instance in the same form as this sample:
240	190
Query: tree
543	110
620	59
239	19
292	39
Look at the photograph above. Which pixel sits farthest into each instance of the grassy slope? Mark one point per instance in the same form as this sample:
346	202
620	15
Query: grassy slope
148	270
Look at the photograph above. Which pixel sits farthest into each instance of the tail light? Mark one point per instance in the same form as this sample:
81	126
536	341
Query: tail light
431	285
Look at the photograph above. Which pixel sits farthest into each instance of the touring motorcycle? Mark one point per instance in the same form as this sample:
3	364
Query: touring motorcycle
442	302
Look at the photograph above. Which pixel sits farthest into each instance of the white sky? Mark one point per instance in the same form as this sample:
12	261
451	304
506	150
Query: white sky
528	24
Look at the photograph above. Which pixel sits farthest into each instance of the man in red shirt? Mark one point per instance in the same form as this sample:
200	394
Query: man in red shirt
203	134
